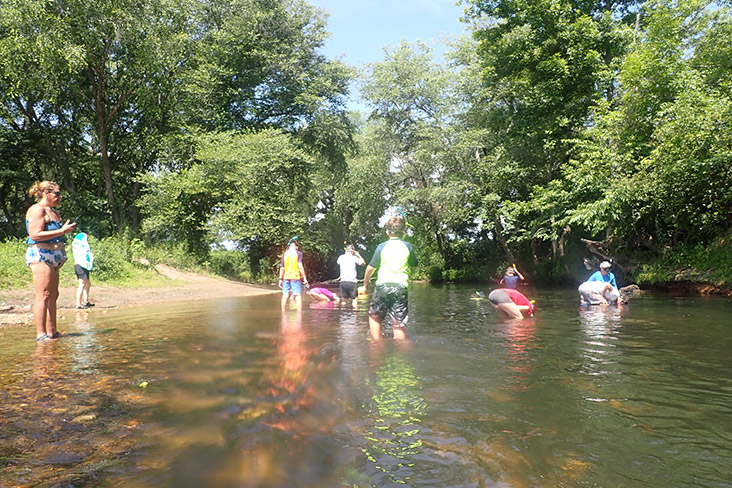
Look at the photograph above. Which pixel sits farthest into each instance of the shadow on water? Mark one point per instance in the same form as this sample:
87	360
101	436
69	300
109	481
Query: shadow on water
239	393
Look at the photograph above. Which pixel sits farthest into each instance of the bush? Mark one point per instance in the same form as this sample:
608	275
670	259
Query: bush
231	264
13	271
694	263
469	274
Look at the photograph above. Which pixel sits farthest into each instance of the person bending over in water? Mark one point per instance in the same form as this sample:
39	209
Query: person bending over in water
604	275
599	293
511	303
323	294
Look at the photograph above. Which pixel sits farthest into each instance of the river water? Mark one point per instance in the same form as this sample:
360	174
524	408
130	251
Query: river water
236	393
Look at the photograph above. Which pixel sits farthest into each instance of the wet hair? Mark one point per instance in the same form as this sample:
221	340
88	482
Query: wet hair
395	226
39	187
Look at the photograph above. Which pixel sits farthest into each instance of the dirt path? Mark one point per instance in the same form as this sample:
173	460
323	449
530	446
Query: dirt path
183	286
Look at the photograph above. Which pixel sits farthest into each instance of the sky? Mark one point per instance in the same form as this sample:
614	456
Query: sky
362	28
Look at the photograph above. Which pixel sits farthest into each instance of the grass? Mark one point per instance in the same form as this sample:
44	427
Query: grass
118	262
126	263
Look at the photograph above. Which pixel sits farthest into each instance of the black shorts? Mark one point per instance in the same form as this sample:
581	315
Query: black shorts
81	273
349	289
390	300
499	296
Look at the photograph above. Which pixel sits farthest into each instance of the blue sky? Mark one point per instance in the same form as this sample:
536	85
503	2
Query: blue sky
362	28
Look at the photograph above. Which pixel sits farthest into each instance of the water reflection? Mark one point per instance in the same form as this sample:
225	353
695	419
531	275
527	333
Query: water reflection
396	408
521	339
239	393
600	322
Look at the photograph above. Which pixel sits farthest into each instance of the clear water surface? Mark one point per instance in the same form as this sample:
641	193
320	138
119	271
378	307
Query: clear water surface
236	393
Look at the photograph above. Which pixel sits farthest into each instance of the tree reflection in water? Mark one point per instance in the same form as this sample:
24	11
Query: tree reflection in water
397	409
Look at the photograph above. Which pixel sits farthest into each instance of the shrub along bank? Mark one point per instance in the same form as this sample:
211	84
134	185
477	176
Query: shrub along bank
123	262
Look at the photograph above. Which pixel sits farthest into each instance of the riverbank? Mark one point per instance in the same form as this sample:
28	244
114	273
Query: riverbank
15	305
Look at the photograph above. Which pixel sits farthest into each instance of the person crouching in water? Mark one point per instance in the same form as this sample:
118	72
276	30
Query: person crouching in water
323	295
390	299
511	304
600	293
292	275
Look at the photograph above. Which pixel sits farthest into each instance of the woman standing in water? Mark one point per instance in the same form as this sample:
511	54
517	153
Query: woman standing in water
46	254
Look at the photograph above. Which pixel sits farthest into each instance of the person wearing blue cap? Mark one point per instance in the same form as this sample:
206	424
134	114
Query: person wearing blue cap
292	274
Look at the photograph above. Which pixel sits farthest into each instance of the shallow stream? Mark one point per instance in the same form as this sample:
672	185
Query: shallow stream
229	393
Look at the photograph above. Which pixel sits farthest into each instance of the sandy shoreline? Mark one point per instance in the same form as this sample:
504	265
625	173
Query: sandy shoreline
183	286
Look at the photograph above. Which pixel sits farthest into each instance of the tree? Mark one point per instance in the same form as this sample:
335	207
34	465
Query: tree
89	64
250	188
414	102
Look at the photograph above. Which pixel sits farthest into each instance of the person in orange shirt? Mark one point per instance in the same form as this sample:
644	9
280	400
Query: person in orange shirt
292	275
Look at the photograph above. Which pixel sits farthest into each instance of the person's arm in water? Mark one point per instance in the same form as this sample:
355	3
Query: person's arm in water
607	288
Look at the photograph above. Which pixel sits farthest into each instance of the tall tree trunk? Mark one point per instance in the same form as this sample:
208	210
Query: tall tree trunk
502	240
6	211
107	166
104	122
442	247
68	181
96	77
135	193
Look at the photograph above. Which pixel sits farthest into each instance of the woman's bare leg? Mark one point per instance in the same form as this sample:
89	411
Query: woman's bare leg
51	329
42	279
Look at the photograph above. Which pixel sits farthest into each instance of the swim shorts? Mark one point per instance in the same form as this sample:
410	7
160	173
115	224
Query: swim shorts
349	289
54	257
390	300
499	296
291	285
81	273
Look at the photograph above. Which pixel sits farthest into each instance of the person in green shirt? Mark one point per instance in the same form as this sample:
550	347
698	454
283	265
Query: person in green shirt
392	258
